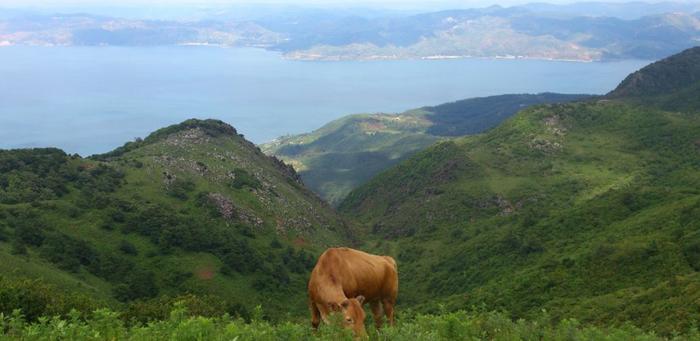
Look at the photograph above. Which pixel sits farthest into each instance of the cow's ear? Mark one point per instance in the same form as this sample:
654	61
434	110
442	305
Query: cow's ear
333	306
360	299
345	304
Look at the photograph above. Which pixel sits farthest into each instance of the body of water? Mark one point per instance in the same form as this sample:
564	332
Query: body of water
92	99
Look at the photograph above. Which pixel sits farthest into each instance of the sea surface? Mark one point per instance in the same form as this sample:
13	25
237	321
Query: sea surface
90	100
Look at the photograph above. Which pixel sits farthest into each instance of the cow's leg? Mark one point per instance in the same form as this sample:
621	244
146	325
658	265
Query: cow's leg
389	311
315	315
377	313
324	311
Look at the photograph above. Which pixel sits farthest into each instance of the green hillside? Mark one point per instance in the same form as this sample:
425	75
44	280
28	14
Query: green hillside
588	210
345	153
193	208
664	77
672	83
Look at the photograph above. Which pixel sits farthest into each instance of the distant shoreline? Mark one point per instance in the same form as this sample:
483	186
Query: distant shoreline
296	56
320	58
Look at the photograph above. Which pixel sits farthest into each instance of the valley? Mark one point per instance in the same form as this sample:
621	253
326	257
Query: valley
347	152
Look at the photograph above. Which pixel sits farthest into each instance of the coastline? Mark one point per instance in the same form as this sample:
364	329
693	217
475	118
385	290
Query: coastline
316	57
342	58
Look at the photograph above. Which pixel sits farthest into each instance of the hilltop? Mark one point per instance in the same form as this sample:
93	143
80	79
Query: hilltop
345	153
193	208
672	83
588	210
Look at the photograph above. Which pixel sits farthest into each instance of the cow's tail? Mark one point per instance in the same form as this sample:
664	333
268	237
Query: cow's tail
392	261
391	288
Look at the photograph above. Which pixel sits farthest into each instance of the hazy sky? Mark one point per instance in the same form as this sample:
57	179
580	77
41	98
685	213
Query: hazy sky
380	3
199	9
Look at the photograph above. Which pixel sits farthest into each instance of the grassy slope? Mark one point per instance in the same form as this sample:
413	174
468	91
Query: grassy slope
345	153
169	176
588	210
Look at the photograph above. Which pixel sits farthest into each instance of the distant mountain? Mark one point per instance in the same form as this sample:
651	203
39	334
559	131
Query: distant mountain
531	31
92	30
319	29
192	208
345	153
624	10
502	32
649	37
588	210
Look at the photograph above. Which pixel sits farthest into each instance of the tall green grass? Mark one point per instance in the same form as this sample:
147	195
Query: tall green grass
104	324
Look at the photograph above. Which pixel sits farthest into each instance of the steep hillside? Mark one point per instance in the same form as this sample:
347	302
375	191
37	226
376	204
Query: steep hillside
193	208
588	210
345	153
672	83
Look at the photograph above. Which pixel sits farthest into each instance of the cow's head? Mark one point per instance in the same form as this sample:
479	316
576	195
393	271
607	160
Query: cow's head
353	314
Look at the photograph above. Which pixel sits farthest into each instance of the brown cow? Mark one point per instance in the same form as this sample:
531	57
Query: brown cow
344	279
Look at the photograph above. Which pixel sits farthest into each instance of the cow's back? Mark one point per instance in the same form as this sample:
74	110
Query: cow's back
355	273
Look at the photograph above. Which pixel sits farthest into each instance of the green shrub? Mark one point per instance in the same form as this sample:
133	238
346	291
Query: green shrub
242	179
137	284
18	247
67	253
30	234
128	248
34	299
180	188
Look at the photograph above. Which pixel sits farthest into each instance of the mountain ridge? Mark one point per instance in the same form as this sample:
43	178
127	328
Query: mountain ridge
531	32
344	153
656	79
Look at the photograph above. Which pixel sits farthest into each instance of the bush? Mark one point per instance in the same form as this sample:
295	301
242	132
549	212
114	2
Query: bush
691	251
275	244
111	267
67	253
298	262
30	234
180	188
128	248
241	258
34	298
138	284
18	247
28	175
242	179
